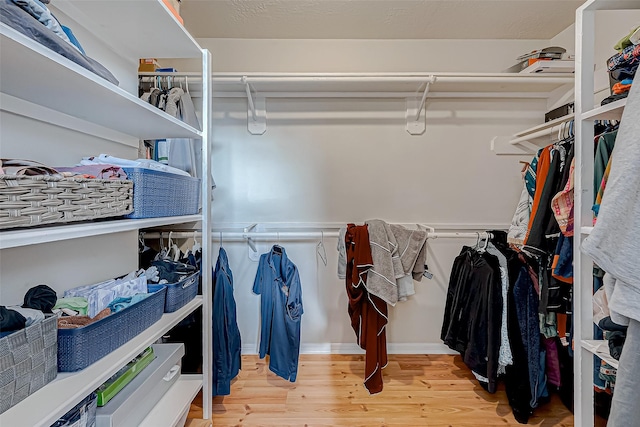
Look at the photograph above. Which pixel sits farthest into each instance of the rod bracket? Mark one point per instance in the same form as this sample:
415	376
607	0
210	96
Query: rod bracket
501	145
256	110
416	121
253	249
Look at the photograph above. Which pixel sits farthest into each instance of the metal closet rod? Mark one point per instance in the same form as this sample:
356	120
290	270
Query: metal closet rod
364	78
293	235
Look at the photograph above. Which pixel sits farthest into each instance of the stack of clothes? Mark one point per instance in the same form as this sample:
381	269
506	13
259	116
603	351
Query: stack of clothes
623	65
38	301
34	19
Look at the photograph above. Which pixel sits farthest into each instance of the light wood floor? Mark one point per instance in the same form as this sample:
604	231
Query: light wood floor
419	390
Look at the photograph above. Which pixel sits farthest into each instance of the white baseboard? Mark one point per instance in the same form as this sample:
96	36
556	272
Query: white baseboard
348	348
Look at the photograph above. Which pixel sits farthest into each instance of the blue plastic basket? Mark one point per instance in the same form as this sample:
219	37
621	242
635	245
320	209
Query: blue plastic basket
180	293
79	348
157	194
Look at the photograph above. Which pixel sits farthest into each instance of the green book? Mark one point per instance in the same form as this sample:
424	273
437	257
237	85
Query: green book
124	376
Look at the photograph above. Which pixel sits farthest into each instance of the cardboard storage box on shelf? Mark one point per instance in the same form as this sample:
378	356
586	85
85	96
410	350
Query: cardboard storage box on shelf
148	65
174	7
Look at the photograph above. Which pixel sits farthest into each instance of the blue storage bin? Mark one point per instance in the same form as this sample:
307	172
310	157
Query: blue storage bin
158	194
178	294
79	348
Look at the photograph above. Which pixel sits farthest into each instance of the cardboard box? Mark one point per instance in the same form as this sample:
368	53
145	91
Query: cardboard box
174	7
148	65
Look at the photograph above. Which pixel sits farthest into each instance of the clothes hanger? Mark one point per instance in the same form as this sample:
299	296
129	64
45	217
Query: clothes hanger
319	246
143	246
221	239
277	248
196	245
486	243
173	249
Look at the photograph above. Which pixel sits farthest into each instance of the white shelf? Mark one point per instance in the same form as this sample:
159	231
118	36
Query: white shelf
586	230
601	349
611	111
133	28
34	236
557	66
611	5
544	126
176	400
46	405
77	92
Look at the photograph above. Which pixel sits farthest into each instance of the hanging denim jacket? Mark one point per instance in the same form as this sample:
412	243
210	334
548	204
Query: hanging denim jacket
278	283
226	335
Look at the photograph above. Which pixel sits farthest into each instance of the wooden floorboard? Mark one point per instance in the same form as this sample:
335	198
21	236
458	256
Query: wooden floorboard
419	390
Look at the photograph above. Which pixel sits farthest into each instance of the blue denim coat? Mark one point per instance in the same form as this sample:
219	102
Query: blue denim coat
226	335
278	283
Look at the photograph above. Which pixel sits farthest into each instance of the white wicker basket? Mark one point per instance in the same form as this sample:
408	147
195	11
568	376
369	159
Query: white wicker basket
27	201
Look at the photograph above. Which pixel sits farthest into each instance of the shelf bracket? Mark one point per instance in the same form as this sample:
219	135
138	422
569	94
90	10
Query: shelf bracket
501	145
416	121
256	111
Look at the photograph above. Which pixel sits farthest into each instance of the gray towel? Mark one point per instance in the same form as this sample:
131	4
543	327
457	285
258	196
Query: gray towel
342	254
387	267
411	244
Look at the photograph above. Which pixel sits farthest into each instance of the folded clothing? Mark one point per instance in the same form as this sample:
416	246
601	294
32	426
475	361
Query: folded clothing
123	302
622	87
100	295
73	322
172	271
77	304
20	20
626	41
614	98
31	315
11	320
97	171
626	58
40	297
616	342
20	167
623	72
104	159
40	12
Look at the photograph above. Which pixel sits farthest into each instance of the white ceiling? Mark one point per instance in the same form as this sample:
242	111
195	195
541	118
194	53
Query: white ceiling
378	19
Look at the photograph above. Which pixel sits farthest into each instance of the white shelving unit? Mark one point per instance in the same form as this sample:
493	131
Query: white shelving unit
587	112
73	387
42	86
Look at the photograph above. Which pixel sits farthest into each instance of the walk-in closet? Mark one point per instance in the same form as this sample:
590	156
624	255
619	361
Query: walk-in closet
331	213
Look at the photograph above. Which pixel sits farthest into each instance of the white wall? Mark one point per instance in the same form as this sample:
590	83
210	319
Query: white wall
269	55
350	160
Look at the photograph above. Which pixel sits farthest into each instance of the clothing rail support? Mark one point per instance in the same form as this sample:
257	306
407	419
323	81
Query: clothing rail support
416	121
253	250
424	96
256	111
